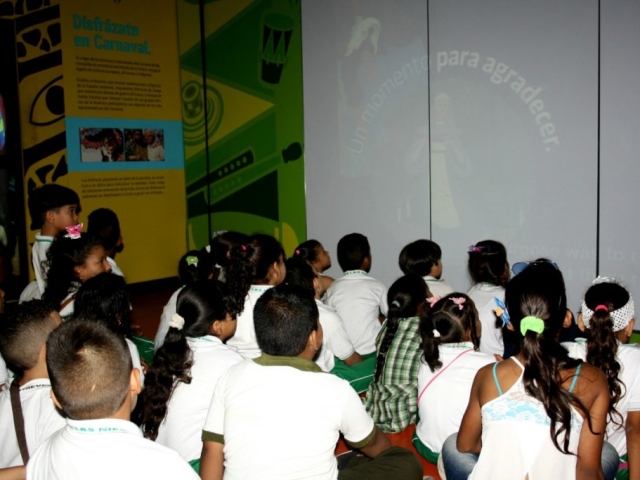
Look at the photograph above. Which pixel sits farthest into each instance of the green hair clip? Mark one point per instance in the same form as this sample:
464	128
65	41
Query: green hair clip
192	260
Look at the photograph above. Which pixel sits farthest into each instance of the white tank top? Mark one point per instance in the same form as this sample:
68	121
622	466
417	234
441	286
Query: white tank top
516	441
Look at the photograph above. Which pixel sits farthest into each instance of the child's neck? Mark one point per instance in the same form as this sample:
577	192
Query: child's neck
48	230
38	371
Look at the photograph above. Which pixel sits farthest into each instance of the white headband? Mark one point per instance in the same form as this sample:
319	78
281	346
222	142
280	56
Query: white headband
621	316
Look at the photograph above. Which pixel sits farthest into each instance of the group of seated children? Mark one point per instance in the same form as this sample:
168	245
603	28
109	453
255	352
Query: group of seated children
260	360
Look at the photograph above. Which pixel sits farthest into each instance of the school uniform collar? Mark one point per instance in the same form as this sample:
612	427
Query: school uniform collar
349	273
204	341
456	346
429	278
299	363
102	426
260	288
43	238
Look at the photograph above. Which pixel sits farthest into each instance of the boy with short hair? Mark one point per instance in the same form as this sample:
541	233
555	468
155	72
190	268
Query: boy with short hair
424	258
24	330
52	208
358	298
279	416
104	224
94	384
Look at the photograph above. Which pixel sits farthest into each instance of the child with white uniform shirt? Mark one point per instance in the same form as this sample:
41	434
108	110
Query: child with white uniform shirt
335	339
23	334
254	267
360	300
191	360
296	411
424	258
94	384
489	271
52	208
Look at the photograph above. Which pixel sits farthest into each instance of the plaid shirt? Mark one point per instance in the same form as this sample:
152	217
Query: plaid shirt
392	401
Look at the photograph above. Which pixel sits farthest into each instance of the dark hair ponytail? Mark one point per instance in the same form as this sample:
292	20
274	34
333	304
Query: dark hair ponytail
452	317
63	256
250	263
539	291
199	304
219	247
602	342
194	265
404	297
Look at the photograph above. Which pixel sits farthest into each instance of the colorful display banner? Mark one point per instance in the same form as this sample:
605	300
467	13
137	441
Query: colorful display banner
124	125
243	127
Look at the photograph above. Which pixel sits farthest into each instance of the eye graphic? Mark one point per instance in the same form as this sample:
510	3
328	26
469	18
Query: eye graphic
48	105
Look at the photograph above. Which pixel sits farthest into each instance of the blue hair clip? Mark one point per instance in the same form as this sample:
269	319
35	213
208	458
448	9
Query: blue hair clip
501	312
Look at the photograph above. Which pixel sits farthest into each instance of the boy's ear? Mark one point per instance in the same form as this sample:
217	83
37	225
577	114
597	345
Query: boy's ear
314	341
581	324
55	401
50	216
216	328
135	386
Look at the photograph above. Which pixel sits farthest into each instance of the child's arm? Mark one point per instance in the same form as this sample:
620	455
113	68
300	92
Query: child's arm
211	461
353	359
470	433
595	391
13	473
632	426
377	445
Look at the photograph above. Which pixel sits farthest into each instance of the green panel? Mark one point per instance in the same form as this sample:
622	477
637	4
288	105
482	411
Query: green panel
255	178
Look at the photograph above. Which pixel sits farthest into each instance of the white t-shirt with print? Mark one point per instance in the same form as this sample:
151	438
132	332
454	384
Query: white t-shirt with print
105	449
483	295
39	258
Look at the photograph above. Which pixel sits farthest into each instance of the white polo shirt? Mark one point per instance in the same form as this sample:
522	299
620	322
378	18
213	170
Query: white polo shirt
105	449
244	340
445	400
335	339
38	256
41	419
358	300
438	287
629	358
483	295
280	418
187	410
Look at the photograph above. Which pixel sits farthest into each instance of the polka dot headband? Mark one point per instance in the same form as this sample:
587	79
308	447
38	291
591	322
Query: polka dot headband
621	316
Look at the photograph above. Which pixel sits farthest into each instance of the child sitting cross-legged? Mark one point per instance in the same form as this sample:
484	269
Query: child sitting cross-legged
278	416
24	330
94	384
181	381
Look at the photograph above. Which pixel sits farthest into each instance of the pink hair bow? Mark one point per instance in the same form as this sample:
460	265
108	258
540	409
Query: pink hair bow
459	301
74	231
433	300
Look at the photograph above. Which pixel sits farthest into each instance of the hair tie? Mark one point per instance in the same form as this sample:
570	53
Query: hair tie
459	301
475	249
244	248
297	252
433	300
395	303
436	333
74	231
218	233
177	321
534	324
601	307
192	260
